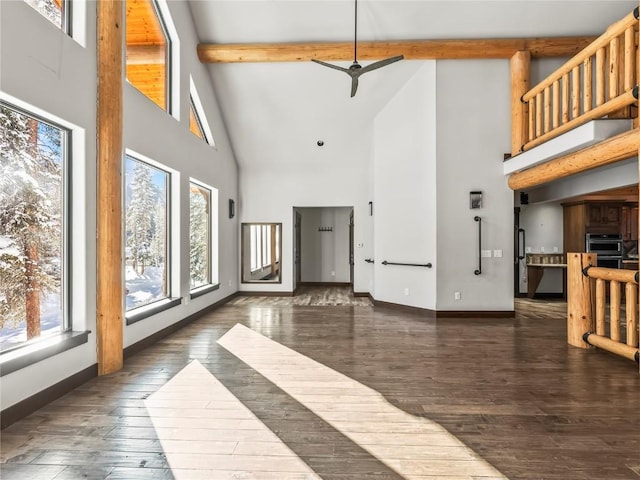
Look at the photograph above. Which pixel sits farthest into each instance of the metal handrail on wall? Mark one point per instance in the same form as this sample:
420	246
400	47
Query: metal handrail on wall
478	271
427	265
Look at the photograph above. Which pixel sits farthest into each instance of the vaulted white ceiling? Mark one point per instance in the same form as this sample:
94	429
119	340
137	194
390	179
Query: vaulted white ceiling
275	112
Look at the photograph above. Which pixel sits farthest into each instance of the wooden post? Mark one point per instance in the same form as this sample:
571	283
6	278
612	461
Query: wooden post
579	308
566	98
539	114
520	80
614	313
547	109
110	36
555	103
631	295
600	306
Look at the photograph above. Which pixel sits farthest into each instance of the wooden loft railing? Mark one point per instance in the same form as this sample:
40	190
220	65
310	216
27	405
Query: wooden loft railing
600	81
586	306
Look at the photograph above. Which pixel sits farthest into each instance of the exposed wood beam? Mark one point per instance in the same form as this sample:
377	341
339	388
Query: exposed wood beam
411	49
146	54
110	36
614	149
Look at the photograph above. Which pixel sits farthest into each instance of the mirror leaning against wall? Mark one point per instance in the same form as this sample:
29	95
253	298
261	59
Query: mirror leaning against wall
261	253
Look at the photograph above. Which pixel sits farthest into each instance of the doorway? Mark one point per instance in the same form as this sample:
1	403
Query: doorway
323	246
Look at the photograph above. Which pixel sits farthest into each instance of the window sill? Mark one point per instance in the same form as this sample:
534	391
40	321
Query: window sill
29	354
147	311
197	292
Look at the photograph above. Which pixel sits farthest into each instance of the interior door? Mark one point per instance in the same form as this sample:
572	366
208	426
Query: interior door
351	253
298	255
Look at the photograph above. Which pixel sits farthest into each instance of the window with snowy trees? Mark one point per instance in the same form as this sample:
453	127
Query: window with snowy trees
146	233
33	222
56	11
199	235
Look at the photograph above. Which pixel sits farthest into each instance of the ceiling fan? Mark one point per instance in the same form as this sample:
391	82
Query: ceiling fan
355	69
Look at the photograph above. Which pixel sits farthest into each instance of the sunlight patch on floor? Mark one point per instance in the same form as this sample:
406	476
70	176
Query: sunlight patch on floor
207	433
414	447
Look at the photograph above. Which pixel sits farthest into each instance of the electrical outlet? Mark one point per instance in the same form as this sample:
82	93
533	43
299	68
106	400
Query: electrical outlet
406	291
555	250
457	295
527	249
230	283
333	273
486	253
541	249
497	253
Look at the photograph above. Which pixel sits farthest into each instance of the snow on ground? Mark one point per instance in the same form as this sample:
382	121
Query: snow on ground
51	315
143	289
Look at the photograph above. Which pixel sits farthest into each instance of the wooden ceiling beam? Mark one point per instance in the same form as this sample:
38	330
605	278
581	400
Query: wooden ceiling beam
411	49
146	54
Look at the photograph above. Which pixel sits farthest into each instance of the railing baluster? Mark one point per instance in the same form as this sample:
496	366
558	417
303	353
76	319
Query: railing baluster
555	117
631	294
566	98
629	58
614	51
600	82
547	109
600	306
539	112
614	314
587	101
575	92
532	119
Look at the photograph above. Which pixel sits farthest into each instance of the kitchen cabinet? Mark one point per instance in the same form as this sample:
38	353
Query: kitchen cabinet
589	217
603	217
629	224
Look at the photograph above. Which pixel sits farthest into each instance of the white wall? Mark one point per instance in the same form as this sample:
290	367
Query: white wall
325	255
404	199
543	227
473	133
270	194
49	73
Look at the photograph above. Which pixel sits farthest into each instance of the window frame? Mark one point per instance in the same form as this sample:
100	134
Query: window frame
195	105
141	312
66	19
209	280
41	348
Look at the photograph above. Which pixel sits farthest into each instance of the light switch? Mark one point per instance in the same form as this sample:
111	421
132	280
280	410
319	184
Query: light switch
486	253
497	253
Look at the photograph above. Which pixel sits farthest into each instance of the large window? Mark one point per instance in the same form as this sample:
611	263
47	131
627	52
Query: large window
264	238
199	235
33	220
146	233
148	51
56	11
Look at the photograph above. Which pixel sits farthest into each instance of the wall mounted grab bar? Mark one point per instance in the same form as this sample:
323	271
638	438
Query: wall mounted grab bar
427	265
479	270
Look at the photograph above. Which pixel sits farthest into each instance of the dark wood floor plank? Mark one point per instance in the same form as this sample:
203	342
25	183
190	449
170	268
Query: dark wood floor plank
510	389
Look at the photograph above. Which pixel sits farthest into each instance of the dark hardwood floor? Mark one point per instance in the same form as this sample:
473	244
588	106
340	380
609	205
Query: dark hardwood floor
355	397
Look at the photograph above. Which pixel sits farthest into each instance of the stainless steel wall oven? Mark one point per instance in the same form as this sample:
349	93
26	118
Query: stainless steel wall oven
608	247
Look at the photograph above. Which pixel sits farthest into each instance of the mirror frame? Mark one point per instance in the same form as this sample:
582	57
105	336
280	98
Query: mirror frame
278	249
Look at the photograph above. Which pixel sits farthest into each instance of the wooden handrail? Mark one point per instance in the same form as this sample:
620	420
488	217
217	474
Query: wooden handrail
600	81
613	31
624	100
612	274
580	306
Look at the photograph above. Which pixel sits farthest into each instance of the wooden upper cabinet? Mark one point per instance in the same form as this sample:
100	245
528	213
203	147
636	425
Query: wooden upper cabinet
604	217
629	223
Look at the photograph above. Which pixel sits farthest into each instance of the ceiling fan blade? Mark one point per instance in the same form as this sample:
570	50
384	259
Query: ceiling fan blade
354	85
381	63
336	67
